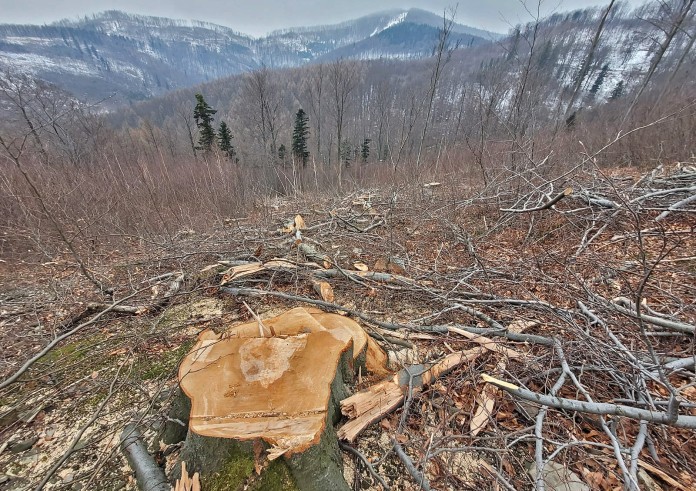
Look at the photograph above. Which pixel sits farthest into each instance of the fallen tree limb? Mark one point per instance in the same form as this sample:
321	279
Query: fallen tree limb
651	319
601	408
545	206
121	309
503	333
663	192
148	475
675	207
13	378
174	287
487	343
681	363
599	201
419	477
378	400
254	292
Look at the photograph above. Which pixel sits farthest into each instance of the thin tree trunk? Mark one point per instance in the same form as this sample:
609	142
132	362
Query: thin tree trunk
585	68
659	55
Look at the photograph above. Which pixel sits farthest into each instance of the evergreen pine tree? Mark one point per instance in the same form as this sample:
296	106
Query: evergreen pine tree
203	114
299	137
224	138
282	153
600	80
618	91
365	150
346	153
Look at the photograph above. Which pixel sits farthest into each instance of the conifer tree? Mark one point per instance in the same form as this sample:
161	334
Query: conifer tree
224	139
365	150
203	114
618	91
600	80
299	137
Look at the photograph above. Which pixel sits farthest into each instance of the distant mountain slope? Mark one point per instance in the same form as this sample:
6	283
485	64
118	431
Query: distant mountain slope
136	57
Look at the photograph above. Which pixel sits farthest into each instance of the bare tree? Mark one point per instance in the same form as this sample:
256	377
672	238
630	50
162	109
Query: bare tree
259	91
315	89
679	14
20	92
585	68
343	79
442	55
184	113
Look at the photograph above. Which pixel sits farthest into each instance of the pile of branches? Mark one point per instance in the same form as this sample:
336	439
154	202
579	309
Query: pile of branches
573	303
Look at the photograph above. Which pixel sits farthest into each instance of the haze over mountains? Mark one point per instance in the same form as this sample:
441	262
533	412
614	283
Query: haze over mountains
136	57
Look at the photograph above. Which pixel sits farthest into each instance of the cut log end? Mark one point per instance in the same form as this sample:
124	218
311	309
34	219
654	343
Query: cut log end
279	394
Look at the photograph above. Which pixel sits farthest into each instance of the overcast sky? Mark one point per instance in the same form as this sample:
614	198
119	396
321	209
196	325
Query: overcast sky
258	17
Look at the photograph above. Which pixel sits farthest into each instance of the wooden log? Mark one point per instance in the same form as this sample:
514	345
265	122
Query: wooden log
148	475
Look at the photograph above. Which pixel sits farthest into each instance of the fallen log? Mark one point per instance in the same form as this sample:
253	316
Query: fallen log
148	475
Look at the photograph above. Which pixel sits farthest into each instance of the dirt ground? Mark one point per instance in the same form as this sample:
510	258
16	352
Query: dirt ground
451	258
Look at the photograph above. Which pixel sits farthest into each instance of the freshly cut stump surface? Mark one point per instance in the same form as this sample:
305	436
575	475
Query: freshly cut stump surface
276	381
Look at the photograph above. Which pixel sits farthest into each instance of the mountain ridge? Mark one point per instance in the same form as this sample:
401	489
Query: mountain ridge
137	57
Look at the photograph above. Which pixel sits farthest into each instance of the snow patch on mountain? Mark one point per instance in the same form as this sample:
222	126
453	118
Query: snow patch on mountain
393	22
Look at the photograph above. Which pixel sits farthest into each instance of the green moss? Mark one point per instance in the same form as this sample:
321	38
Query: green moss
238	473
153	367
235	472
74	351
276	478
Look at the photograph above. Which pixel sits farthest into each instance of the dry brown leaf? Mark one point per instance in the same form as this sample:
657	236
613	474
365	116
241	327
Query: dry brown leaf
361	266
324	290
299	223
380	265
395	268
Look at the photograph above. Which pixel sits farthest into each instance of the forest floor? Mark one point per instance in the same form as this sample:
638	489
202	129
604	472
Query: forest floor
560	285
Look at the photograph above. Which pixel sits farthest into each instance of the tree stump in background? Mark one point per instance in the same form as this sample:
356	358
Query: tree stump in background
264	397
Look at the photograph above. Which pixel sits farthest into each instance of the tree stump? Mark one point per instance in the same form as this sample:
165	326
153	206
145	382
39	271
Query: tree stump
264	398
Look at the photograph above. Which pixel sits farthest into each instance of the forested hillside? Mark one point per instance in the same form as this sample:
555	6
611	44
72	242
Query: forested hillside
119	58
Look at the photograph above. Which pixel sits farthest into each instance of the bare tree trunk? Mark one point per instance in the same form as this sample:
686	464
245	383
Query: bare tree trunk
186	115
315	89
674	29
683	57
442	55
343	79
585	68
